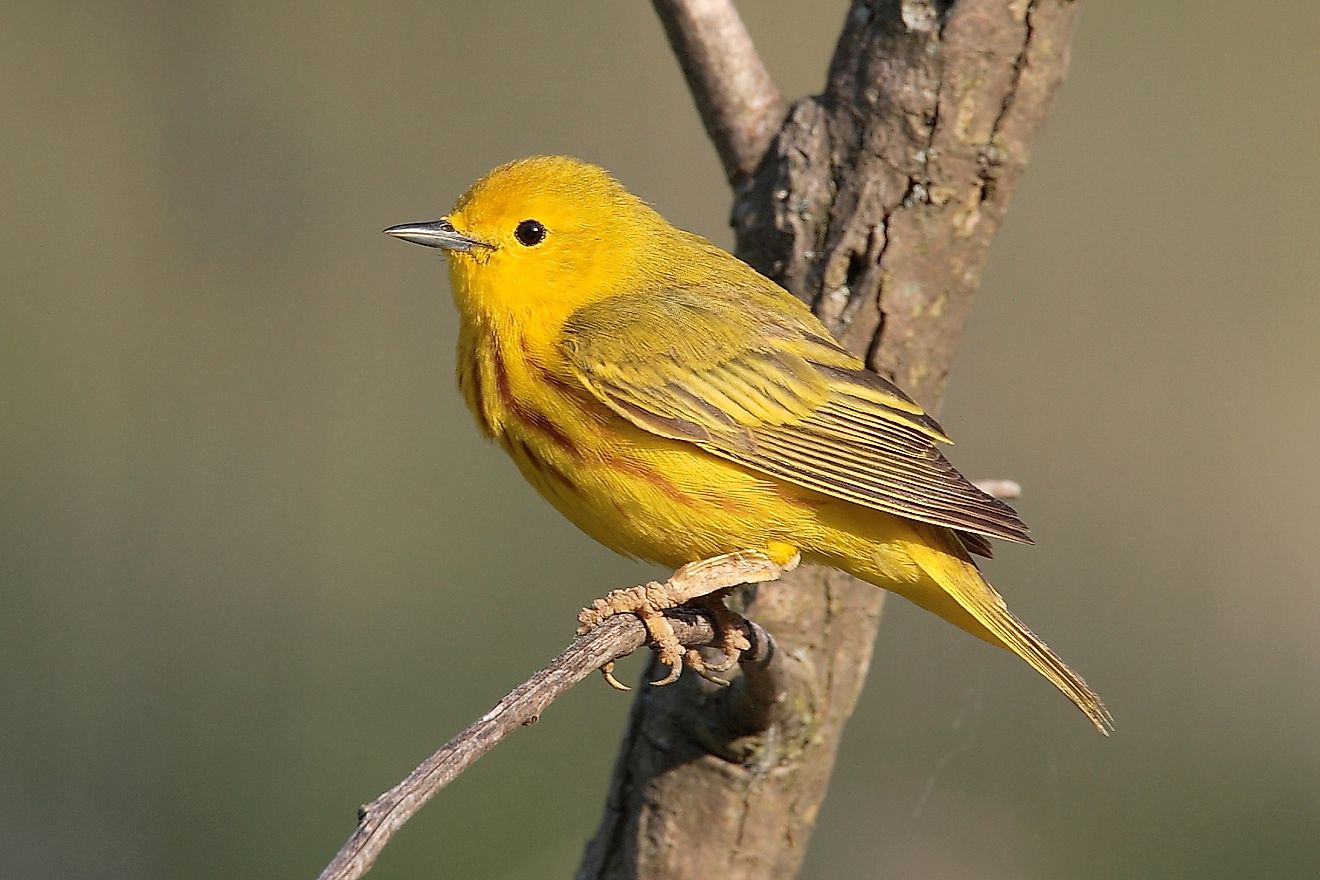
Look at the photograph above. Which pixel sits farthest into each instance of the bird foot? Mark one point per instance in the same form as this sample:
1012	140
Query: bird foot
708	580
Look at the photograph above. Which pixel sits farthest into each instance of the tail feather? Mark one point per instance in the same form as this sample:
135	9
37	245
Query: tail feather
945	561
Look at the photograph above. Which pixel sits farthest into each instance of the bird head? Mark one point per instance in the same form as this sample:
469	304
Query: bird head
545	236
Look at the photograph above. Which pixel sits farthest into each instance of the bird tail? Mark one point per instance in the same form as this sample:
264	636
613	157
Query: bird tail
955	590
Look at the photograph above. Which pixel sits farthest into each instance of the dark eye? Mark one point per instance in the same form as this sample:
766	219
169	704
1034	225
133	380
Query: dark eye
529	233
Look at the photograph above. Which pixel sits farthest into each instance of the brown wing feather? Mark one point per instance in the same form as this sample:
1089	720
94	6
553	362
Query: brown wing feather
757	380
977	544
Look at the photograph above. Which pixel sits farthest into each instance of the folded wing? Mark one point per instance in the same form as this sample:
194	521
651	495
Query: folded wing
756	379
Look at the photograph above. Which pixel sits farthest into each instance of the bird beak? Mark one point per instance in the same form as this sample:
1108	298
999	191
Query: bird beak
437	234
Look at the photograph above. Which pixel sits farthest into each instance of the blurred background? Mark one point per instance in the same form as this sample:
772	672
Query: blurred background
255	562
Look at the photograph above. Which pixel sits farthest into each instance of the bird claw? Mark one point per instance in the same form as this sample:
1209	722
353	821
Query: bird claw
648	603
607	673
730	660
675	670
730	640
704	583
705	670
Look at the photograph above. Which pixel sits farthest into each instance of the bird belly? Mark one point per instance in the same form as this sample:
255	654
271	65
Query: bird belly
662	500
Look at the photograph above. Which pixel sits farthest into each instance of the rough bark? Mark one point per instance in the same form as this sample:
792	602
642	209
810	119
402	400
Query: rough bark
876	202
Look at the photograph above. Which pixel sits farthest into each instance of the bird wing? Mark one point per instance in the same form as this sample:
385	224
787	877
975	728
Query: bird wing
757	380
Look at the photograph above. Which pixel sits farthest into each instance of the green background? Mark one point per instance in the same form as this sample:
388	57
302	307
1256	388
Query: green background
255	561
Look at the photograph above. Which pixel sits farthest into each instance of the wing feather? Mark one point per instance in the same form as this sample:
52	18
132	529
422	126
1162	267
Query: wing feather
750	375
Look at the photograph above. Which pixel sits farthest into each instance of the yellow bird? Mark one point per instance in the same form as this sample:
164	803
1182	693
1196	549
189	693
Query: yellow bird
678	406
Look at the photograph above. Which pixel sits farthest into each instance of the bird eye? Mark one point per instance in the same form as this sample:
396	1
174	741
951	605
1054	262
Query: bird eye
529	233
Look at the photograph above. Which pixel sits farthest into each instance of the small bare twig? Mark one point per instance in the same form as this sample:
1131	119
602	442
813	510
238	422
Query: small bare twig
615	637
1004	490
738	101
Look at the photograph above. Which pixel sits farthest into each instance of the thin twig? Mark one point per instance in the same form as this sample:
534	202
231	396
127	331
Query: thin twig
1004	490
615	637
738	101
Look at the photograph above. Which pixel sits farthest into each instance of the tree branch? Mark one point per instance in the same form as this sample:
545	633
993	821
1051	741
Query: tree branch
738	102
750	707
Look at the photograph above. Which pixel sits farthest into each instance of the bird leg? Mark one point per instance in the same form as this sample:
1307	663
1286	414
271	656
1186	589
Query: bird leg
708	580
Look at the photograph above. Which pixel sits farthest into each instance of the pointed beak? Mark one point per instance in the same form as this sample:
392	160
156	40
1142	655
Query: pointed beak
437	234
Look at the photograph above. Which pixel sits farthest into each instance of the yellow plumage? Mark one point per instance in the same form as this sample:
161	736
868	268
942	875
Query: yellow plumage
676	405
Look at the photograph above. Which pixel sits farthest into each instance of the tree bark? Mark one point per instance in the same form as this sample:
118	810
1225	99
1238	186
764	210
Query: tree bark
875	202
